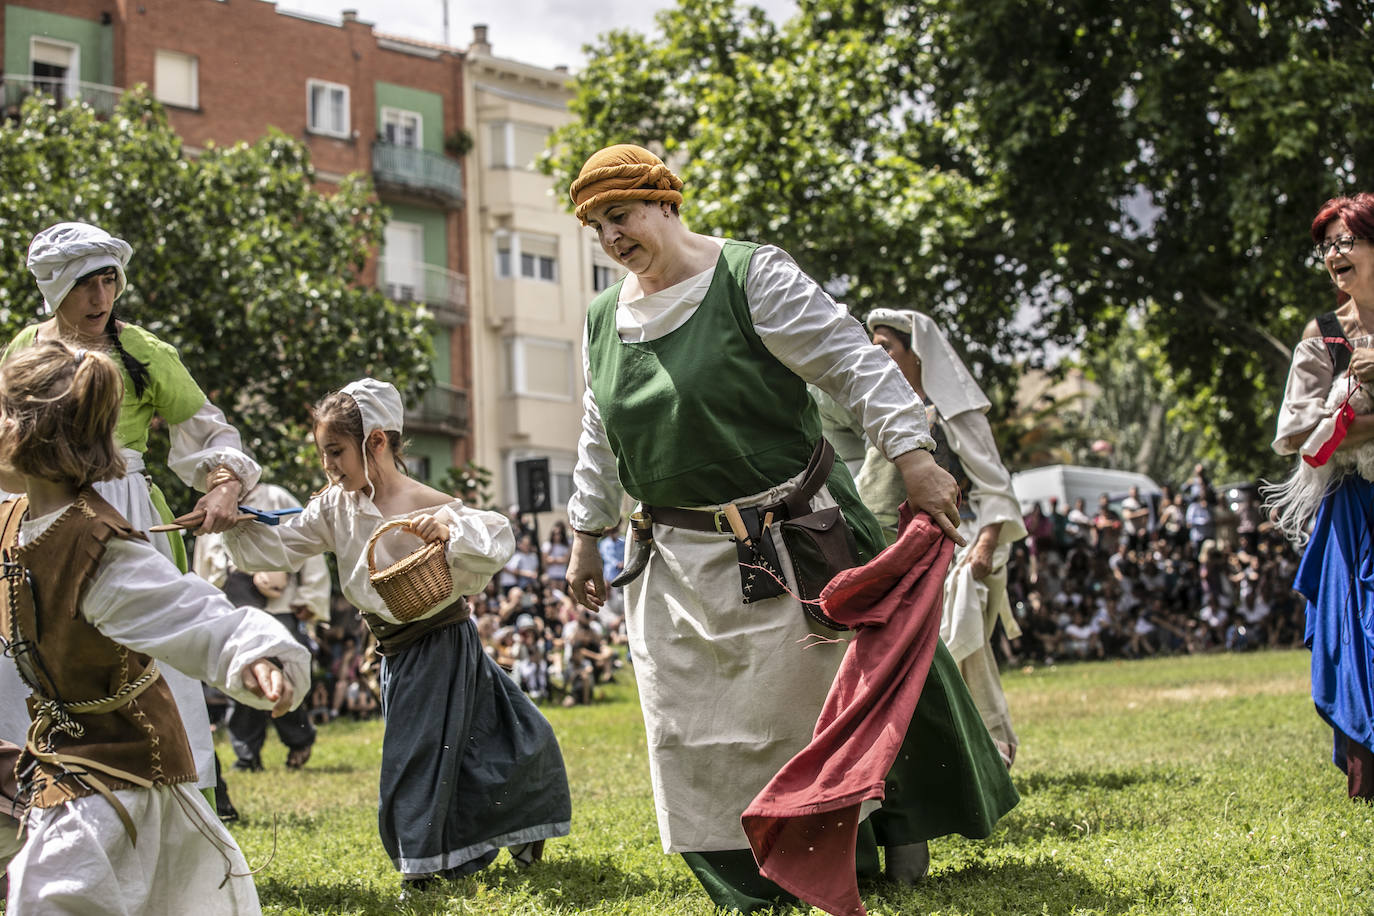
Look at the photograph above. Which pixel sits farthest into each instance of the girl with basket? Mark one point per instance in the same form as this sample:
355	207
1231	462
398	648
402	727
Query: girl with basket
468	763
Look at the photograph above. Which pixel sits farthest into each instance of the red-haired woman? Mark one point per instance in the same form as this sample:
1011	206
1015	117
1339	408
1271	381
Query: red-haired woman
1333	364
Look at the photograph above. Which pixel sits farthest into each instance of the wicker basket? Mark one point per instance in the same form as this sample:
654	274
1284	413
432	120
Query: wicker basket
413	584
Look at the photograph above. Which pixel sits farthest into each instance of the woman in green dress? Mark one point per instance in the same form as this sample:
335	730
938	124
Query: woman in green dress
696	367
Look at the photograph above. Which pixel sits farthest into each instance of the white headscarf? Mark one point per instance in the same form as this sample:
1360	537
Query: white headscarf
62	254
948	383
381	407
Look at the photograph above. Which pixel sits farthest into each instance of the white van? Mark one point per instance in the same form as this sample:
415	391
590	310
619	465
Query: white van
1070	482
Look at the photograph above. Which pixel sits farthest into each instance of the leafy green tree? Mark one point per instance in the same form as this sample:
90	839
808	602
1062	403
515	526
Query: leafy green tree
1062	164
790	139
1170	153
1138	409
239	262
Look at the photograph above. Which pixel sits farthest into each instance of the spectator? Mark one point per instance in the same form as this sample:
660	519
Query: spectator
297	600
1106	527
522	569
1201	522
1165	595
531	658
612	550
556	550
1135	519
1078	523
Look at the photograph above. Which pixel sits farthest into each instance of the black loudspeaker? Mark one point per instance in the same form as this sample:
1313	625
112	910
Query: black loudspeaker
533	485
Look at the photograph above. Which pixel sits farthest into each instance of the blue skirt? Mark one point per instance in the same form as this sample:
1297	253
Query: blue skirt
1336	576
468	763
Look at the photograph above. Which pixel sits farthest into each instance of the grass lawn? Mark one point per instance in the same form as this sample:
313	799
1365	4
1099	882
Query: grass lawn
1177	786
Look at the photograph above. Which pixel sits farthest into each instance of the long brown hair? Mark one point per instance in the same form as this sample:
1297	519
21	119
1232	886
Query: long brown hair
58	410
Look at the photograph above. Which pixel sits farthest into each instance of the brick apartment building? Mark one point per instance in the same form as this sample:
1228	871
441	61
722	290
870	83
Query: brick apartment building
227	70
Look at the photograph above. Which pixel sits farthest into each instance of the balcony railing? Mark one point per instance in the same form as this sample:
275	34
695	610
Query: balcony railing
417	171
16	87
443	409
443	290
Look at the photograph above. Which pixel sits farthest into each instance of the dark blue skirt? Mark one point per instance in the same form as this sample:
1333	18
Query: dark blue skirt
468	763
1336	576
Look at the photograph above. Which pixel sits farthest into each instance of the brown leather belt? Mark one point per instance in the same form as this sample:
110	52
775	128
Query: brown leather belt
393	637
796	504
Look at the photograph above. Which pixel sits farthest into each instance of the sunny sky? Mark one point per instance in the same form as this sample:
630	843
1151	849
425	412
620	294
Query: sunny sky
542	32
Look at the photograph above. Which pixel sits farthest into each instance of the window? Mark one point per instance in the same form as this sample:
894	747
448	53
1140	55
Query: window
602	276
537	256
402	261
560	474
541	368
503	255
417	466
54	66
402	128
174	79
517	146
328	104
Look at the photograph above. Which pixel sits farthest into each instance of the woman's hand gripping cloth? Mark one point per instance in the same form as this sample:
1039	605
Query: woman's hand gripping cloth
803	826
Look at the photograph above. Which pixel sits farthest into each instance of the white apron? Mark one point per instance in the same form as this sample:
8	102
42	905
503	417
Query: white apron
730	690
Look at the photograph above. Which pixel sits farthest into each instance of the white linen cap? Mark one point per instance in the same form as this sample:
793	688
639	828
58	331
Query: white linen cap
948	383
62	254
379	403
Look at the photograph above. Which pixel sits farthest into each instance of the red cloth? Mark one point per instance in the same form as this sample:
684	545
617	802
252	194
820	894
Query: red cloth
803	826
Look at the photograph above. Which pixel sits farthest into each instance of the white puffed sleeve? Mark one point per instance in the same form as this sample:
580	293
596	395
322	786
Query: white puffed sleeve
206	441
822	343
479	544
139	599
597	493
1304	398
255	547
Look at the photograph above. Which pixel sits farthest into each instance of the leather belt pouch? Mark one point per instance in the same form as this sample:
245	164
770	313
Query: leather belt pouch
821	546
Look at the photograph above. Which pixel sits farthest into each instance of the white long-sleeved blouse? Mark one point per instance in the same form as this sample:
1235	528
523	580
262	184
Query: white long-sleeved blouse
341	523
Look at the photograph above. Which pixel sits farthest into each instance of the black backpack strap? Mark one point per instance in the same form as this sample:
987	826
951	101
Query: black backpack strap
1337	344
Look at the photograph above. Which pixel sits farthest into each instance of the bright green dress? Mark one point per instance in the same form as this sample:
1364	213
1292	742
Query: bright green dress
171	393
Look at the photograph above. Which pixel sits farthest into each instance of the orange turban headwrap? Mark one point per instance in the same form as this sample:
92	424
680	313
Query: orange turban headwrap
623	172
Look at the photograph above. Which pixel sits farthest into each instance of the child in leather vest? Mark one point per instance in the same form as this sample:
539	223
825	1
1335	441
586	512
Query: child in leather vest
88	609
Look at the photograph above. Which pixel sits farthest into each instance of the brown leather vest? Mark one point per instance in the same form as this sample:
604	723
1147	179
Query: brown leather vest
70	661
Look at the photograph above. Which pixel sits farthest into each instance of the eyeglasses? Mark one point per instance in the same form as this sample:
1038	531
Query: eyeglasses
1341	245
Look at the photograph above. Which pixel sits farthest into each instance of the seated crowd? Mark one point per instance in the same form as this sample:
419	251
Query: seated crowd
1178	574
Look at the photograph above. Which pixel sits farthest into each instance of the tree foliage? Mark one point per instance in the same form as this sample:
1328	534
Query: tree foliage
239	262
1138	409
1028	172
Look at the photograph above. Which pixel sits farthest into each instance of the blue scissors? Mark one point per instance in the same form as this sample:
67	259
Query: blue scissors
193	520
269	516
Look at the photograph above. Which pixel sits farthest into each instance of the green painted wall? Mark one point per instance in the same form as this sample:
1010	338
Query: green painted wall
435	229
96	42
443	365
429	105
437	449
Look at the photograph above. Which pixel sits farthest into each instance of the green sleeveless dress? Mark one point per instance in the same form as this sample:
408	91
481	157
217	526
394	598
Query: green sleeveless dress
706	415
171	393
